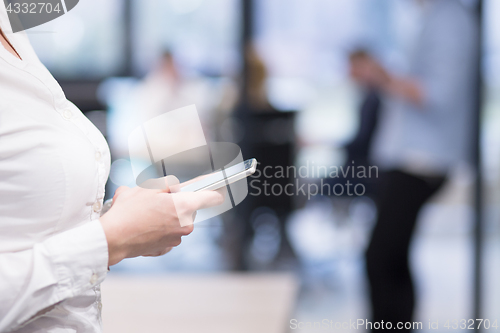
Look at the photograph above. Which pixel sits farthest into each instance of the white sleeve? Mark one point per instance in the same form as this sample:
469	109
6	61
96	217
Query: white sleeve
64	265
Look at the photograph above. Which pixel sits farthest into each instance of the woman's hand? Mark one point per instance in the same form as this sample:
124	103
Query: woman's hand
144	222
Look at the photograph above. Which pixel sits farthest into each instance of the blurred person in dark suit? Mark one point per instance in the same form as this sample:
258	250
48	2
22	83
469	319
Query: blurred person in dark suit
422	134
357	150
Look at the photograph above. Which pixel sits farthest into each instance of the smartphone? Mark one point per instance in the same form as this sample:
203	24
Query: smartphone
223	178
212	181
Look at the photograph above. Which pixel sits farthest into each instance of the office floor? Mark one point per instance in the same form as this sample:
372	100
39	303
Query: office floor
192	303
329	240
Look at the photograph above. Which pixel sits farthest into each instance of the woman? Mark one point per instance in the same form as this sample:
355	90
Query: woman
54	249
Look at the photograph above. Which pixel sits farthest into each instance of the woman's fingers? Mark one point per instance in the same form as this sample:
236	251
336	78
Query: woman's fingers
204	199
172	184
160	185
187	203
186	230
165	251
159	253
120	190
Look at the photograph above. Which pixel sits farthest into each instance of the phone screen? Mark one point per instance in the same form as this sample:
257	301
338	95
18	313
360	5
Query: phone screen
229	175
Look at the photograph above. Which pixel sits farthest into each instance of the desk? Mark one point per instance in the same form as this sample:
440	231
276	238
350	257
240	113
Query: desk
218	303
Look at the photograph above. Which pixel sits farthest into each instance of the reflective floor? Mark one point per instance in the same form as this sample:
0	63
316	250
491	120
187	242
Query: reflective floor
329	237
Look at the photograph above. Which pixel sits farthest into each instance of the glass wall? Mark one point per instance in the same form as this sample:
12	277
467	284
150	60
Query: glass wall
202	34
89	41
85	43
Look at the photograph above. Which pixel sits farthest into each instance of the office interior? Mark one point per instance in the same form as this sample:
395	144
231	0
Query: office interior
257	267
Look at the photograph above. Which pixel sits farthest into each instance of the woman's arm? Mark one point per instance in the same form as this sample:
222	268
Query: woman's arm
64	265
141	223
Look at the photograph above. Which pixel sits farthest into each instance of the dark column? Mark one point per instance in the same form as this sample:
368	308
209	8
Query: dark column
477	158
128	38
247	29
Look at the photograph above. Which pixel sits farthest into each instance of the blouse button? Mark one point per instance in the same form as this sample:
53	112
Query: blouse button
67	114
93	278
96	207
97	156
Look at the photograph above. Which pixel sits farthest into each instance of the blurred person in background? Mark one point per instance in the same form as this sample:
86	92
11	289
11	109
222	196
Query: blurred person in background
55	249
268	136
422	134
357	150
161	89
166	88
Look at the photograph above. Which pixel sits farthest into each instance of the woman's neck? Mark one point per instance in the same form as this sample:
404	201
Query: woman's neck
8	46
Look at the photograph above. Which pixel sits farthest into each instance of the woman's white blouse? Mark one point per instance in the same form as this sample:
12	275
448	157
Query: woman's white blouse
53	167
